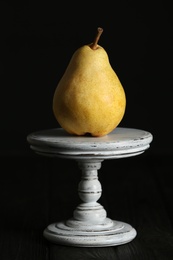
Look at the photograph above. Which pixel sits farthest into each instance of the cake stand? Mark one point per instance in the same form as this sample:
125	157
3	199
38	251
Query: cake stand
90	226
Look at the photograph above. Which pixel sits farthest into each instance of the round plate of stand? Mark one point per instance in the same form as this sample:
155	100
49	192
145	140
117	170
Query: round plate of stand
120	143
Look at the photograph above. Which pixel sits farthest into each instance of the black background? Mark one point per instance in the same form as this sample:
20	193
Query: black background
38	40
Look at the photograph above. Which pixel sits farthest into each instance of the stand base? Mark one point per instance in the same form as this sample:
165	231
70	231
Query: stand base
110	233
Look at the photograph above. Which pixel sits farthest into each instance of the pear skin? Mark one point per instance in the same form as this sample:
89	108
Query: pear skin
89	98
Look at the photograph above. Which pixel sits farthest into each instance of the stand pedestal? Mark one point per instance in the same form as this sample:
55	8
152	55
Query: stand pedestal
90	226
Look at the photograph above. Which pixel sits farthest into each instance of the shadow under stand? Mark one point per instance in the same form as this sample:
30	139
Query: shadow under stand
90	226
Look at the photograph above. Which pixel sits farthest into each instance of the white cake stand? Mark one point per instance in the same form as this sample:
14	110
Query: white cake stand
90	226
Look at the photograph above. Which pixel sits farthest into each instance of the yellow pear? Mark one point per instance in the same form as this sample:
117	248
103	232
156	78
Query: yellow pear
89	98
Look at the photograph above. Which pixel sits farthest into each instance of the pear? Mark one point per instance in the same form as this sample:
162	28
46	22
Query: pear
89	98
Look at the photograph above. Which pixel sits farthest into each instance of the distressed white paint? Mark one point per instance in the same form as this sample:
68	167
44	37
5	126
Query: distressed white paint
90	226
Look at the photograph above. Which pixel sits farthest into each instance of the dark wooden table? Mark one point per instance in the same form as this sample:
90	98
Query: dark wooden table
31	197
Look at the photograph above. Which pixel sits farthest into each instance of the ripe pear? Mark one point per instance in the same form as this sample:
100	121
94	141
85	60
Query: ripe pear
89	98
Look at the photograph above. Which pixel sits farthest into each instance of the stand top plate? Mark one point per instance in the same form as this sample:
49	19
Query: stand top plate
121	142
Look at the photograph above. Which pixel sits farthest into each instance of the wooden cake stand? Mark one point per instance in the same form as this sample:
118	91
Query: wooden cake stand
90	226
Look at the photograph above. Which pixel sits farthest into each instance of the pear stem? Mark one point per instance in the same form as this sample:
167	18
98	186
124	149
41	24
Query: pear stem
95	42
